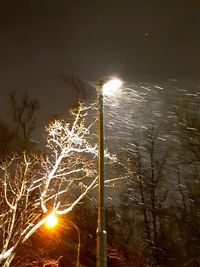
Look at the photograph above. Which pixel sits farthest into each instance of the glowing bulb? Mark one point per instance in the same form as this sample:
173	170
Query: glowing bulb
51	220
111	86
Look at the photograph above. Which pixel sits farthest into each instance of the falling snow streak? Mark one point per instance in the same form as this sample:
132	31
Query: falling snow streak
137	107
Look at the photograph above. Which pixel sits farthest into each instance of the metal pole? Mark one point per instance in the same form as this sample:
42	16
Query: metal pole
101	231
79	242
79	245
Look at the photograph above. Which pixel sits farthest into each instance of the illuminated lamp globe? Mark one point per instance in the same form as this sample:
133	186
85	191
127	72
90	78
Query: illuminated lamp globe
111	86
51	221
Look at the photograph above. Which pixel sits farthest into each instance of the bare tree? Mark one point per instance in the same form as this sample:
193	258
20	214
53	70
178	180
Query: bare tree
23	113
78	85
32	187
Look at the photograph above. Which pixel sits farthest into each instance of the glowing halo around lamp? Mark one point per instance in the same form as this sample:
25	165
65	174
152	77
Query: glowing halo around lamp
111	86
51	221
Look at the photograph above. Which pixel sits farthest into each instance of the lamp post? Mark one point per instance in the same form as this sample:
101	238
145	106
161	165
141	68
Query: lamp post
51	223
101	230
79	242
103	87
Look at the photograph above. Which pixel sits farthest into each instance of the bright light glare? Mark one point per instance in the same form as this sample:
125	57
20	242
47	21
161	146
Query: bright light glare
51	221
111	86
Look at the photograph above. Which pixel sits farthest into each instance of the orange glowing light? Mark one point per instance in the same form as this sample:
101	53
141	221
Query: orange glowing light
51	221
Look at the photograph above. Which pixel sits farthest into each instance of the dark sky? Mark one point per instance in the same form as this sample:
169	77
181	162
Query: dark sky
41	39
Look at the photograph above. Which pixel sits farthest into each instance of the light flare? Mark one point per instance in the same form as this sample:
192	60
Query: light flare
51	221
111	86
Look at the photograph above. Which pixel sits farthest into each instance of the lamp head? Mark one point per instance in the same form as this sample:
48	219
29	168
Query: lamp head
108	86
51	221
111	86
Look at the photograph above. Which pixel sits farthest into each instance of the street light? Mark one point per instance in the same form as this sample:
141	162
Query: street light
104	87
52	221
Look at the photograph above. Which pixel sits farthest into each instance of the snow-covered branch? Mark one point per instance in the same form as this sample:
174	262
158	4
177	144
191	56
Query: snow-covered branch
32	186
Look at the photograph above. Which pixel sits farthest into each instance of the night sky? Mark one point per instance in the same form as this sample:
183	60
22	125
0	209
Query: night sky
40	40
154	46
